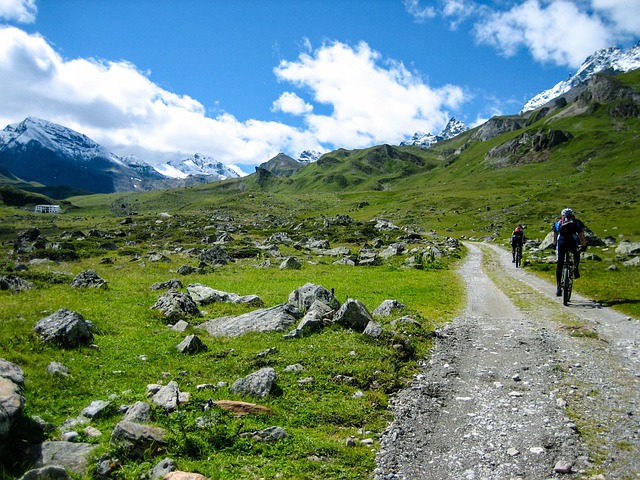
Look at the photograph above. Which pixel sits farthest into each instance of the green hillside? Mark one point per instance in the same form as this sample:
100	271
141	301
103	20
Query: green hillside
478	185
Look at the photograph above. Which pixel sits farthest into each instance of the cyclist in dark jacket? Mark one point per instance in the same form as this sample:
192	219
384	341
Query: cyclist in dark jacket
517	238
567	232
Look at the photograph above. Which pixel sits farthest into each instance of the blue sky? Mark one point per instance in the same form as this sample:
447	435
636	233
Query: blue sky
243	80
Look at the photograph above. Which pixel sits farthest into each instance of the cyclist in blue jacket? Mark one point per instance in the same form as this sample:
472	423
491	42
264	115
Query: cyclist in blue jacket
567	232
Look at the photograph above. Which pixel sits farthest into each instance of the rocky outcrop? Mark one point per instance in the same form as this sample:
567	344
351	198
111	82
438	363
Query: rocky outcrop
12	398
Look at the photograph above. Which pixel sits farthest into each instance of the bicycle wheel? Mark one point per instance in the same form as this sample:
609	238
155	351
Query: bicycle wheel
567	280
518	256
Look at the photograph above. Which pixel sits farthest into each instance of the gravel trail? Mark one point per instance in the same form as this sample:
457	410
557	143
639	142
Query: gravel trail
533	391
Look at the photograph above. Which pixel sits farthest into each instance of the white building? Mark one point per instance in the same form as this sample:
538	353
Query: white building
48	209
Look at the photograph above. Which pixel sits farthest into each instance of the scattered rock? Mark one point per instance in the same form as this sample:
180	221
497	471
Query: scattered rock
53	472
175	305
174	283
74	457
290	263
354	315
191	344
271	434
387	307
139	412
303	297
65	328
88	279
257	384
163	468
275	319
137	439
14	283
57	368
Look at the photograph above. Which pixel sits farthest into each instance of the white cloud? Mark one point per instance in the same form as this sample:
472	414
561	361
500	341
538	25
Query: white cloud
624	15
21	11
372	101
556	31
120	107
419	12
289	102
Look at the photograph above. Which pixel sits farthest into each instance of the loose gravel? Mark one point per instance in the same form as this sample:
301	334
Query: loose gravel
533	391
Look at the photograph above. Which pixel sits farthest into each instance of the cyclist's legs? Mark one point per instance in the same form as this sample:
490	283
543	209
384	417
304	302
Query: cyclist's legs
562	248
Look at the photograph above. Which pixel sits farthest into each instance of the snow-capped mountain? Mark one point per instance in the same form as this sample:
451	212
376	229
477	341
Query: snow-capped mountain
309	156
196	165
609	60
53	137
37	150
425	140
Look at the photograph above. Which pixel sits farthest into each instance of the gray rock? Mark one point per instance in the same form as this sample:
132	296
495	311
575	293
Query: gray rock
191	344
173	283
175	305
275	319
270	434
65	328
180	326
14	283
53	472
88	279
12	398
303	297
138	439
373	329
290	263
215	256
139	412
57	368
204	295
387	307
257	384
162	468
96	409
354	315
393	250
634	262
168	396
74	457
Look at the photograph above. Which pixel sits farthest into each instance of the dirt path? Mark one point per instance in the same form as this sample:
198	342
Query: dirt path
532	391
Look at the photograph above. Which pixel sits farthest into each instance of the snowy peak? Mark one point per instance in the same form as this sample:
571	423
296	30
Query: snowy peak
425	140
609	60
53	137
196	165
309	156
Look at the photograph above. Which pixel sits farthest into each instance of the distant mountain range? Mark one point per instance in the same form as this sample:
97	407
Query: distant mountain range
40	152
609	60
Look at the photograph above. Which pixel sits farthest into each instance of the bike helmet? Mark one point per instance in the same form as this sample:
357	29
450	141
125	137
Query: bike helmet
567	212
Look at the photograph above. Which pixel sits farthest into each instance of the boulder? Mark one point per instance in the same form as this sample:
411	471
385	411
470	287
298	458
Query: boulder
215	256
257	384
274	319
627	248
65	328
204	295
137	439
175	305
53	472
290	263
191	344
14	283
12	398
303	297
387	307
163	468
354	315
88	279
74	457
96	409
139	412
168	396
169	284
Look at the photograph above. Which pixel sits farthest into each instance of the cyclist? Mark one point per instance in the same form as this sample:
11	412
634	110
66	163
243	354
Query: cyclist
567	232
517	238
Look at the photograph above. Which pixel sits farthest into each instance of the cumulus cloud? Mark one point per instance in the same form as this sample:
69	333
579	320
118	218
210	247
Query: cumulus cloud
21	11
372	100
119	106
557	31
289	102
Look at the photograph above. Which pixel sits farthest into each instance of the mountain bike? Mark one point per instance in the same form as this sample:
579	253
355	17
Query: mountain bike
567	277
518	255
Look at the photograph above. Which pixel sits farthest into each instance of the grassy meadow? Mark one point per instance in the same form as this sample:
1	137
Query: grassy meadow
450	190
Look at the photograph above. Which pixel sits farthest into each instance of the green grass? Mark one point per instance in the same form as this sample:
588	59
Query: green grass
135	347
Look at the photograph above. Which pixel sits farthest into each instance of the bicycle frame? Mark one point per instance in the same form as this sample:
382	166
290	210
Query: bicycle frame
567	277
